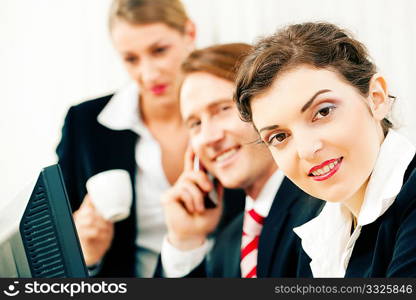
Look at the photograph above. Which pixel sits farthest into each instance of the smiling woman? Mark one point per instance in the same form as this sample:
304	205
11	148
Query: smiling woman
319	104
310	139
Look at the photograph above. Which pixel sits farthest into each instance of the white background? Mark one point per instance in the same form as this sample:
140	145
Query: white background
56	53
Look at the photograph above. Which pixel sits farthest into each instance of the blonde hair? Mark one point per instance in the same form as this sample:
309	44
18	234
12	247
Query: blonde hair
138	12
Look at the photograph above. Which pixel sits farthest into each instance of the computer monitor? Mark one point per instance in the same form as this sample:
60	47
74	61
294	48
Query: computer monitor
37	233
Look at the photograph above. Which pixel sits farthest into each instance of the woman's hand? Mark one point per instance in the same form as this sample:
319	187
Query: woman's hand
95	233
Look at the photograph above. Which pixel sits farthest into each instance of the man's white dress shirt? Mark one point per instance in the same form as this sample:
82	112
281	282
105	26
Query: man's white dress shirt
179	263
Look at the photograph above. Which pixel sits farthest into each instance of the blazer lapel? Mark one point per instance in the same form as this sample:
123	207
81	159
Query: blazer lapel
232	266
224	259
273	225
410	169
122	151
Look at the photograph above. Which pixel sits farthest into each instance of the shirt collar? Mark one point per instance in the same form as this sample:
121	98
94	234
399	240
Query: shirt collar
386	180
265	199
122	112
325	237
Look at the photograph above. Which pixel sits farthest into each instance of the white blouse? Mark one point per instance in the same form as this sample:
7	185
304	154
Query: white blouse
122	113
327	238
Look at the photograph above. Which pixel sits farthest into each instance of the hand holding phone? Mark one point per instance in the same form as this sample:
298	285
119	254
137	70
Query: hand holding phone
211	198
188	220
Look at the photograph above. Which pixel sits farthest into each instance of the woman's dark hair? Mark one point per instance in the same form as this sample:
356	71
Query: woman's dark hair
219	60
319	44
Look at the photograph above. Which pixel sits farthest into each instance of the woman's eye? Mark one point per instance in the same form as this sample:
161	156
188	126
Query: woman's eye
130	59
277	139
160	50
323	112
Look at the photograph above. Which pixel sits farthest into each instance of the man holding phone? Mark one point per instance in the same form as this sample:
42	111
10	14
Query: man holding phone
257	243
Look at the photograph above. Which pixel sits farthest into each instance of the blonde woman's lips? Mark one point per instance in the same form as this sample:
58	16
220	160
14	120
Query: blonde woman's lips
159	89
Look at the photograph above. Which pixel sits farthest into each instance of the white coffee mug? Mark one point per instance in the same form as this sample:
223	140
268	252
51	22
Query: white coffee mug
111	193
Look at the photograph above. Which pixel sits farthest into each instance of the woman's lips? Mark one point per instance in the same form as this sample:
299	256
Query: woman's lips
159	89
329	167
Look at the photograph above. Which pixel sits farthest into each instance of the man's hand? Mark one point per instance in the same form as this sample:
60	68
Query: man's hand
188	221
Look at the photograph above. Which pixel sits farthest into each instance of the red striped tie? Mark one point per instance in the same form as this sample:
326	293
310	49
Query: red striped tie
253	223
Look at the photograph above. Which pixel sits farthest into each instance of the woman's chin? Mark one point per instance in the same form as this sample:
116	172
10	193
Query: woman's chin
333	195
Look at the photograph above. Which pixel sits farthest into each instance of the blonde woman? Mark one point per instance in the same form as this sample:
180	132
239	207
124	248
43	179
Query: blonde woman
138	129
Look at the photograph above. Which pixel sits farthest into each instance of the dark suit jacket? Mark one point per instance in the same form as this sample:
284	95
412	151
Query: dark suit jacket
279	247
386	247
88	148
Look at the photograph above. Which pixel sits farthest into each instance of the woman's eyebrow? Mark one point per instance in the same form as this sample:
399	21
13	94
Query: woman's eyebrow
305	107
157	43
310	101
271	127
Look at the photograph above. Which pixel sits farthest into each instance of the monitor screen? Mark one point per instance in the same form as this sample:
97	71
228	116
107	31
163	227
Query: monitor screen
37	233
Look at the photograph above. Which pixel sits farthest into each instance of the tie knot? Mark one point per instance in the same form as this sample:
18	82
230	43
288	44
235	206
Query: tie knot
253	223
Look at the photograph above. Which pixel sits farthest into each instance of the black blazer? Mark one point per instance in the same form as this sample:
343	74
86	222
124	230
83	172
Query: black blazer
279	247
386	247
88	148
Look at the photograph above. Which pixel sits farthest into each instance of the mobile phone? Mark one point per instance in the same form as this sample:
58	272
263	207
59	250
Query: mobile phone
211	198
